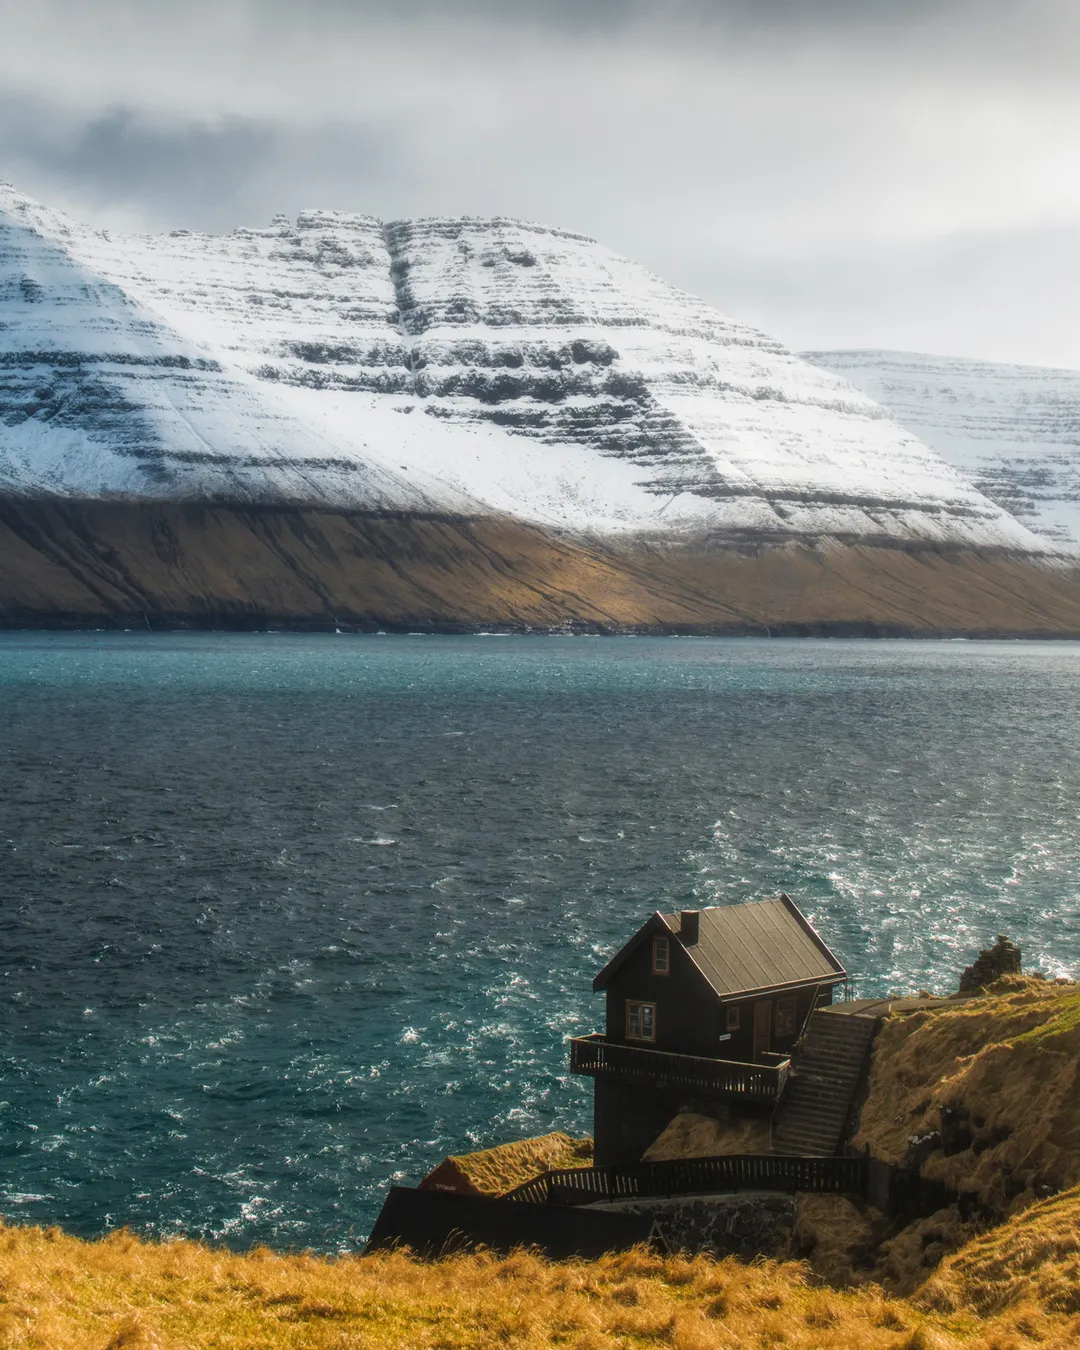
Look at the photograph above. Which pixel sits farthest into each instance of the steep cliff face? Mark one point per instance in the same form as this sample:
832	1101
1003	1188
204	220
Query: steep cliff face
557	338
110	389
464	366
1014	431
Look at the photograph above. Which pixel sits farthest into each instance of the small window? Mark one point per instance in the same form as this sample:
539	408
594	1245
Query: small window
661	956
733	1018
640	1021
785	1017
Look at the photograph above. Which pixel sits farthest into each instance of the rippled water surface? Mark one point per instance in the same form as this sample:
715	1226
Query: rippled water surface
284	918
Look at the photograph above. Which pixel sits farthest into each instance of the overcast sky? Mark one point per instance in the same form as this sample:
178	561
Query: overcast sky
843	173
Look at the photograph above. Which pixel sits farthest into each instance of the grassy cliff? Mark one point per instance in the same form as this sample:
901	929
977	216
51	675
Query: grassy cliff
983	1093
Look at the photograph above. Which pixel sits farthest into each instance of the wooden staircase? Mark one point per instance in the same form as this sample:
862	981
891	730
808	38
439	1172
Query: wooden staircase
826	1072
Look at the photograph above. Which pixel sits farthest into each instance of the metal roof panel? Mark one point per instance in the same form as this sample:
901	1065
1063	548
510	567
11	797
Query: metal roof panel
760	944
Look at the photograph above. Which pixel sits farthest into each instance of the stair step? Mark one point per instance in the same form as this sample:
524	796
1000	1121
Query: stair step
810	1057
841	1052
814	1092
834	1048
837	1042
827	1068
821	1101
834	1052
851	1041
824	1088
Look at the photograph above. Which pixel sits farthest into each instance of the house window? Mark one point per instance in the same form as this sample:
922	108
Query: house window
733	1019
640	1021
785	1017
661	956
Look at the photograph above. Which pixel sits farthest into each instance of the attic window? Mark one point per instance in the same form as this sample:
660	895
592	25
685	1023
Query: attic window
640	1021
661	956
785	1017
733	1018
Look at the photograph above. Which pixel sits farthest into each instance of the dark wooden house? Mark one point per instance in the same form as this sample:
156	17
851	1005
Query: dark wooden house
703	1009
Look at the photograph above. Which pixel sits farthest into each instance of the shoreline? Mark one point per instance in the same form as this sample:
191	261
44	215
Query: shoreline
299	627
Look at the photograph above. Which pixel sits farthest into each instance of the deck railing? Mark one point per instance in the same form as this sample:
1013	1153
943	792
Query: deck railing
696	1176
602	1058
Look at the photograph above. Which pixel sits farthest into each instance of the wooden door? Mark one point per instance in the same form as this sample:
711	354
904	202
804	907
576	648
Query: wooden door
762	1027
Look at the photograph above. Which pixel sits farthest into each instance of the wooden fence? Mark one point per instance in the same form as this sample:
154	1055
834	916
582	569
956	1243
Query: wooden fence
696	1176
436	1223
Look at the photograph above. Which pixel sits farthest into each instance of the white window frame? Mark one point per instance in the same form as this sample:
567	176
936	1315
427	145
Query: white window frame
661	944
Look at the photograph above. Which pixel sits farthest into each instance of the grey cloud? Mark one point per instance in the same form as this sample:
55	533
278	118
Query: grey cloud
122	157
839	172
1008	38
998	295
172	172
621	15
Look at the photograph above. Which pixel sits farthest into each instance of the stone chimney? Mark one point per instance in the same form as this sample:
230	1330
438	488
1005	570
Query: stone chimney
689	926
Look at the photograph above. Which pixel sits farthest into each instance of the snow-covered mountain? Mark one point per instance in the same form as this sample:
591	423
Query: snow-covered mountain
456	367
1012	430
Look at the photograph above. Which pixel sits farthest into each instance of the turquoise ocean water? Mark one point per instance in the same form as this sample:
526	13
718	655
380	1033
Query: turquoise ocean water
285	918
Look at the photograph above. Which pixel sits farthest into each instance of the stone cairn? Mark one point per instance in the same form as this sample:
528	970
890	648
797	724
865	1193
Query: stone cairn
1003	958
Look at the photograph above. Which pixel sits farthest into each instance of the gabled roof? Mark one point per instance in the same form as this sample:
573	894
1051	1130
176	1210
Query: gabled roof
758	945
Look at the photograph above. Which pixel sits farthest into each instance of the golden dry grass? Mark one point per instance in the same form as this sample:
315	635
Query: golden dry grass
1009	1062
494	1171
58	1293
689	1135
1031	1262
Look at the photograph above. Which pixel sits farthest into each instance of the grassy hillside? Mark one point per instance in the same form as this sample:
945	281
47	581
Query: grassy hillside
494	1171
985	1091
1016	1287
162	564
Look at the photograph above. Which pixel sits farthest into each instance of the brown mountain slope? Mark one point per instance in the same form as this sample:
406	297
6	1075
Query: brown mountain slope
67	562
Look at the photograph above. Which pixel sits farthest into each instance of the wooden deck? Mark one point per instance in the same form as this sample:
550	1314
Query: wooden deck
601	1058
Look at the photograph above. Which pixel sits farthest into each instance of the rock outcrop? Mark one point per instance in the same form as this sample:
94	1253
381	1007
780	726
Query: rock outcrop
1003	958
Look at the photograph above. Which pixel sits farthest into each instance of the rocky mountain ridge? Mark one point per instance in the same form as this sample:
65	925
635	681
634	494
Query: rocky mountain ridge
458	366
456	424
1012	430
